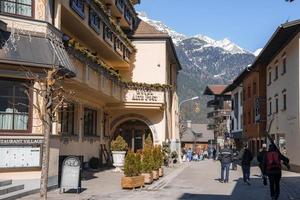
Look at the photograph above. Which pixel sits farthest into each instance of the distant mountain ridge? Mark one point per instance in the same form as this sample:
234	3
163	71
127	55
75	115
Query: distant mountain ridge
204	61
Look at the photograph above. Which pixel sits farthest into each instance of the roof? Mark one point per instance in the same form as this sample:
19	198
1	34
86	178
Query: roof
198	133
35	51
143	29
283	34
215	90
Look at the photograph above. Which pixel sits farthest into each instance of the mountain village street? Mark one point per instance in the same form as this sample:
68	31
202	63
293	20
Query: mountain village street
187	181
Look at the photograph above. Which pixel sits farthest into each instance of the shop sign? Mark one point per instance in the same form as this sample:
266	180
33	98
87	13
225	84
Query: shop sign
70	174
144	96
10	141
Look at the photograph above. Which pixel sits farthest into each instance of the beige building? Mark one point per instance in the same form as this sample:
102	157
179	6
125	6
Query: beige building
124	84
280	57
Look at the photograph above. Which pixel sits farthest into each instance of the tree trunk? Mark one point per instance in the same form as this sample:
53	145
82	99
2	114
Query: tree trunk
47	122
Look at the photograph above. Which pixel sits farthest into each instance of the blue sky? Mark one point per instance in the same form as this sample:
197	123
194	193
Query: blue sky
248	23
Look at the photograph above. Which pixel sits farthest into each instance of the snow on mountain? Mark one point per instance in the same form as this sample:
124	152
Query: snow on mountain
177	37
225	44
257	52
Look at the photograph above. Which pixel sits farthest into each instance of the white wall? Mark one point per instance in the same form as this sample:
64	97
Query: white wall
238	122
150	64
286	122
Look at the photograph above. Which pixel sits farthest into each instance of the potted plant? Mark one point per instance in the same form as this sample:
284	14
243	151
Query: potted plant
118	148
156	166
132	172
147	165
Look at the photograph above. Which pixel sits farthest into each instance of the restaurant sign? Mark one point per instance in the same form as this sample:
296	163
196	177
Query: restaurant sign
144	96
18	141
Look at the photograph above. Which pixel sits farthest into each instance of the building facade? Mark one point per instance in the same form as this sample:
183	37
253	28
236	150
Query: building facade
119	87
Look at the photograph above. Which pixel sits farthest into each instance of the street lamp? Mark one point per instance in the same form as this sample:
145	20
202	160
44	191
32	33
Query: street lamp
184	101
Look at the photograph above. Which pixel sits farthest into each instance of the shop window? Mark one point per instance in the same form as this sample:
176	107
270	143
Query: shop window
94	20
90	122
78	7
17	7
14	105
67	113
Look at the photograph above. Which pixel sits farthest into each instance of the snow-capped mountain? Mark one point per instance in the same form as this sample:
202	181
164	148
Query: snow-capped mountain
204	61
257	52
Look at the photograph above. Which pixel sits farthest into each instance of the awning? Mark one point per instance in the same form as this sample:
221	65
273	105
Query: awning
35	51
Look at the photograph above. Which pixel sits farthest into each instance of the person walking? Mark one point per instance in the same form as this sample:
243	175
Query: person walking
260	158
246	164
272	167
225	157
234	158
214	153
189	155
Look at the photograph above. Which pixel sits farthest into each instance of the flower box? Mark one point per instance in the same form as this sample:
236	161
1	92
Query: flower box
148	178
161	172
132	182
155	175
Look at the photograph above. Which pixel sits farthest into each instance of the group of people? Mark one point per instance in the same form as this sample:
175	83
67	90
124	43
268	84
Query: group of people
189	155
269	162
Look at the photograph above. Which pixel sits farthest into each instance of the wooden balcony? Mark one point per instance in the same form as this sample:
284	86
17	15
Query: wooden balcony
218	113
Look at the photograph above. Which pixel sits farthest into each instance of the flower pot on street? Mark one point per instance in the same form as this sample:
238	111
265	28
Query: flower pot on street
155	174
118	159
148	177
161	172
132	182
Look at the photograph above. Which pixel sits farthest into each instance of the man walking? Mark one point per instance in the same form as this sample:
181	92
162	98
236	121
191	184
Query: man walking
225	157
272	167
260	158
246	164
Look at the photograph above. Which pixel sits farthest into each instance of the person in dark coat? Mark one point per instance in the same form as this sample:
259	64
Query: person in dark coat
246	164
214	153
260	158
272	167
234	158
225	156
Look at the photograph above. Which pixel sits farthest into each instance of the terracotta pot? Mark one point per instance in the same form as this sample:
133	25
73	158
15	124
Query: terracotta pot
148	178
161	172
155	174
132	182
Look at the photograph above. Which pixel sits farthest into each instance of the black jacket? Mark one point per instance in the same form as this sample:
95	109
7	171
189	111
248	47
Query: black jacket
225	156
247	157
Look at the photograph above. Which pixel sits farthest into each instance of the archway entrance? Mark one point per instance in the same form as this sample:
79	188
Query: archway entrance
134	132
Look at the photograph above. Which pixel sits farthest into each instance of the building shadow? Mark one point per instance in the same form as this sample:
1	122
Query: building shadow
88	174
290	189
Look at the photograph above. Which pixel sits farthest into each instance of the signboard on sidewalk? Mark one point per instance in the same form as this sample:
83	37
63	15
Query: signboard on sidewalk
70	176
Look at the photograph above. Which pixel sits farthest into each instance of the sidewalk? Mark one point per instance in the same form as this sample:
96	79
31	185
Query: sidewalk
98	184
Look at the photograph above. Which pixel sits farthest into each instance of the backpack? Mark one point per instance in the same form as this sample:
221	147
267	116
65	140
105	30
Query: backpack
273	161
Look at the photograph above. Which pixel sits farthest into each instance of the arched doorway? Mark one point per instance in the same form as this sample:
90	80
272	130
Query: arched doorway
135	132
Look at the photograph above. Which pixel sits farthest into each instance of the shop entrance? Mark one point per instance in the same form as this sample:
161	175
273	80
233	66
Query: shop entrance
134	132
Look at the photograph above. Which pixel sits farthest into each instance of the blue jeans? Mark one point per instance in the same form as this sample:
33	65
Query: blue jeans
225	169
246	172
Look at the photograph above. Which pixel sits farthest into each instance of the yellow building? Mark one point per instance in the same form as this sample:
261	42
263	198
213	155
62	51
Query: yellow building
123	73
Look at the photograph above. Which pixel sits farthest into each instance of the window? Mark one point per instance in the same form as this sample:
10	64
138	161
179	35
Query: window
284	101
241	97
127	15
276	105
276	73
249	91
283	66
120	5
78	7
94	20
254	88
90	122
270	77
14	105
67	118
270	107
108	35
17	7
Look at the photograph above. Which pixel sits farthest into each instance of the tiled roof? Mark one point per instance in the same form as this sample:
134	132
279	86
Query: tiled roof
146	30
215	90
199	133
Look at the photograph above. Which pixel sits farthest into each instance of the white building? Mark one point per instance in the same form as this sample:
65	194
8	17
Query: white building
281	57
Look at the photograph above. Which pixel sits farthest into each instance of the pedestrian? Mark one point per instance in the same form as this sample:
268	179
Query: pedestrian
189	154
260	158
272	167
214	153
225	156
234	158
246	164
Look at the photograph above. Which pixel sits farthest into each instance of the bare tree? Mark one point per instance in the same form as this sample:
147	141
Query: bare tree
48	95
221	127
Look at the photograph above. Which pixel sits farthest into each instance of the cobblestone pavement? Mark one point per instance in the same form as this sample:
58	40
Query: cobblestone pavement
196	181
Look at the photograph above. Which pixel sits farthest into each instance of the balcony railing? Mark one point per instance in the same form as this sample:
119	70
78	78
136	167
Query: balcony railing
218	113
213	103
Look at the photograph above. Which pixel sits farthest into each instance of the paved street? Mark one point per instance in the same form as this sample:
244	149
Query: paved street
189	181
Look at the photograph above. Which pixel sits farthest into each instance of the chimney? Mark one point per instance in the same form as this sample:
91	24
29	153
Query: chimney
189	123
